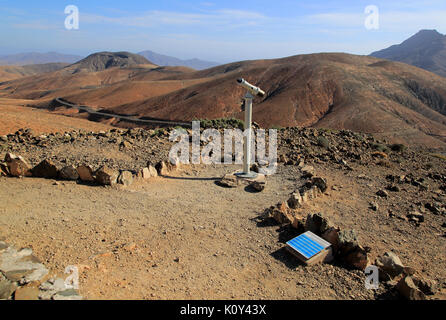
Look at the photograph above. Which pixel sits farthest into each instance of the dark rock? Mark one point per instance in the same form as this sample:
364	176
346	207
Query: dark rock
46	169
321	183
85	173
382	194
69	173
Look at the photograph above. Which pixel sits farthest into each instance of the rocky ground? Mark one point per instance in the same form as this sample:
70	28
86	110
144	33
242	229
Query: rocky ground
183	236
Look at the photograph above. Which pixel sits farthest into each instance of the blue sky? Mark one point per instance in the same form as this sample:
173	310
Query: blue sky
220	31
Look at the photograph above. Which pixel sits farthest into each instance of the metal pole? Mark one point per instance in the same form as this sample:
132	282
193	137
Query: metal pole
248	121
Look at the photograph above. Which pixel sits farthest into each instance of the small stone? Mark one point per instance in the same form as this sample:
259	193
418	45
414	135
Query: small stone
393	188
229	181
374	206
382	193
416	217
69	173
357	258
259	183
153	171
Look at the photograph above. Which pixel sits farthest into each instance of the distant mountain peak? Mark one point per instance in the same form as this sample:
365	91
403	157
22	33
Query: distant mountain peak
426	49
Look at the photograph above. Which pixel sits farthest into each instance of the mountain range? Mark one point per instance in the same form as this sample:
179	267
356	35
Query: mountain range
163	60
22	59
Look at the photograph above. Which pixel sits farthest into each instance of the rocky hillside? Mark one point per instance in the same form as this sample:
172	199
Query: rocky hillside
104	60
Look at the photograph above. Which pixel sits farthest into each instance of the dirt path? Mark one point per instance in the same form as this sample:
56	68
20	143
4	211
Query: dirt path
171	238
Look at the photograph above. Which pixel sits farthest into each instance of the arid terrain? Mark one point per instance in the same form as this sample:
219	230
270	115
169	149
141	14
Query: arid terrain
182	236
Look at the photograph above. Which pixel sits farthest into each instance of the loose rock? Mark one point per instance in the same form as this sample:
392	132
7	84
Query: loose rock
106	176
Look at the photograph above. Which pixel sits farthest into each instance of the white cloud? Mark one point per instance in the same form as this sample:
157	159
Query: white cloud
168	18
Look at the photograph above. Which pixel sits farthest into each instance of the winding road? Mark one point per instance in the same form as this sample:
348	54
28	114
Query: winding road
121	117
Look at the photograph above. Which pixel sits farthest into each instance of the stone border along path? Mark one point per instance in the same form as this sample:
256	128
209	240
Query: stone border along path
17	166
24	277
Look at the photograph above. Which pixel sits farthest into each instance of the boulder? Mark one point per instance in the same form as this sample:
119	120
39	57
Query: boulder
163	168
85	173
350	252
46	169
125	178
153	171
317	223
357	258
295	201
347	240
407	288
69	173
106	176
17	166
282	214
332	235
390	265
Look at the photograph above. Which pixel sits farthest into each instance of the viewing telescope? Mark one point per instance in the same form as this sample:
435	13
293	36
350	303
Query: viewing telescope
252	92
255	91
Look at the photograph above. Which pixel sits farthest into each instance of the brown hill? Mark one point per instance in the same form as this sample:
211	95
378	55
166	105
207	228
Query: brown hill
105	60
338	91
